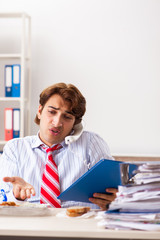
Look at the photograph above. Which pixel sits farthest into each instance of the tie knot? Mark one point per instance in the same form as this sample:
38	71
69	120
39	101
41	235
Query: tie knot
48	149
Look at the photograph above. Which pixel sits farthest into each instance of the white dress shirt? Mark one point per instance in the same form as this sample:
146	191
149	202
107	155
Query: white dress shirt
23	157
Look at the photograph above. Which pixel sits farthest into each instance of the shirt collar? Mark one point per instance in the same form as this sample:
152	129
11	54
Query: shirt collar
38	142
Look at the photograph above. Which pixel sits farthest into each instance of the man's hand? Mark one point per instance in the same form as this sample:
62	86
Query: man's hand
21	189
103	200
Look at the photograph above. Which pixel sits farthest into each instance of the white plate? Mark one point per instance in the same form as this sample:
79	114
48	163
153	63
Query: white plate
25	209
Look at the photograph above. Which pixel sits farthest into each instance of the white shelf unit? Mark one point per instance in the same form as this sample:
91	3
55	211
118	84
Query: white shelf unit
23	56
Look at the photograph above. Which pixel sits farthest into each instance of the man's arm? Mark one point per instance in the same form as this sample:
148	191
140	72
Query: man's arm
15	187
98	149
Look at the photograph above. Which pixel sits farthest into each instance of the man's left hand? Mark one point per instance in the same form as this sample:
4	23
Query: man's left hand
103	200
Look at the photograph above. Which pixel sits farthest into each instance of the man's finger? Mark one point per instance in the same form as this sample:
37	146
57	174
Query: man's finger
98	201
112	190
9	179
33	192
16	191
101	203
23	194
103	196
28	193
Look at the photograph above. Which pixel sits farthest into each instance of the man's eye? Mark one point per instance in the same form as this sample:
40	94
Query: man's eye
52	112
67	117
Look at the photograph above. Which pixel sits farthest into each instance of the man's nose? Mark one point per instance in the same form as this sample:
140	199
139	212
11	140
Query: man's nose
57	121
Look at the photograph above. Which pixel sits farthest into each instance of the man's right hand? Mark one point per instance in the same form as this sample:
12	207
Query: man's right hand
21	189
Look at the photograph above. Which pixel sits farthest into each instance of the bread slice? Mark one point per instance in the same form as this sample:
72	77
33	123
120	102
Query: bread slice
76	211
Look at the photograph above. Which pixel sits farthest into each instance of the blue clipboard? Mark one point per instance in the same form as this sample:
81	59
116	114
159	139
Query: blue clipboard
104	174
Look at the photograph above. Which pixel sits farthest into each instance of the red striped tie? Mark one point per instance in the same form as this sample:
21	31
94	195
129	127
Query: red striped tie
50	188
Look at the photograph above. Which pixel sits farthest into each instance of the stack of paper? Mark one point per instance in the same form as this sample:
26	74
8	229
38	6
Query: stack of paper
137	206
129	221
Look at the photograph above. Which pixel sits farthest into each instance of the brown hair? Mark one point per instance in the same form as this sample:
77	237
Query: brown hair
69	93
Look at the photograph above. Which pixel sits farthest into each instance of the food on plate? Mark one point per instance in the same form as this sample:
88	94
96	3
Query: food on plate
76	211
8	204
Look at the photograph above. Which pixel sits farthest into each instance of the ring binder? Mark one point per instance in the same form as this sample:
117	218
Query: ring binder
8	124
16	77
16	122
8	80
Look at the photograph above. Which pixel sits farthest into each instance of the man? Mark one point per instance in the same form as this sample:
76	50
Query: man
23	161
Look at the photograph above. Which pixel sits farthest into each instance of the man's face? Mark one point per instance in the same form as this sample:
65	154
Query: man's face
56	120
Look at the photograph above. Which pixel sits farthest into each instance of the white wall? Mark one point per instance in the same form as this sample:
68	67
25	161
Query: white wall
110	49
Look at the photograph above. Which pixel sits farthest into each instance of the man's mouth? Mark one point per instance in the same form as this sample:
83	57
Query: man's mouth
55	131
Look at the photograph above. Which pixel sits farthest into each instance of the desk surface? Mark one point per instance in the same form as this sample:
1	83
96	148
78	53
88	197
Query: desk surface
53	226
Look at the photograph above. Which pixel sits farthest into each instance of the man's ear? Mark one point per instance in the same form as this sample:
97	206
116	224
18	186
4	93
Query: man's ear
78	120
39	111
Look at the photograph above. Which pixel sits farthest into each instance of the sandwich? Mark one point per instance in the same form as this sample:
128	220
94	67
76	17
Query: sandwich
76	211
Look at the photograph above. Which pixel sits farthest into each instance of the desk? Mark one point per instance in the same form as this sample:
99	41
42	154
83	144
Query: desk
53	227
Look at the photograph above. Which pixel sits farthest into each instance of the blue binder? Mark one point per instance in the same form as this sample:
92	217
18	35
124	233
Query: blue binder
8	80
16	80
105	174
16	122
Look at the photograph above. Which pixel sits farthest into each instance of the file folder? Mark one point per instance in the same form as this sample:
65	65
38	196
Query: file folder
8	80
16	79
8	123
16	122
104	174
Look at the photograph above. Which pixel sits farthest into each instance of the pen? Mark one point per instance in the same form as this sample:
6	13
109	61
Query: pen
4	195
